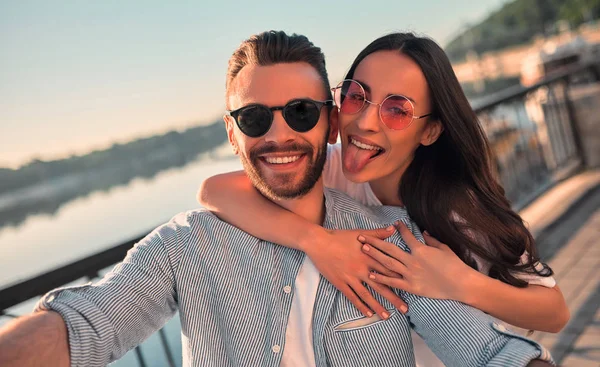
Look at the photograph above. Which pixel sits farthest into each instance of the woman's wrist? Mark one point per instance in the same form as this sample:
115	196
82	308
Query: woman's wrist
308	239
470	286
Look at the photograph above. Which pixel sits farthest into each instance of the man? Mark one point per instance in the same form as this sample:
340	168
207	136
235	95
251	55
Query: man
238	297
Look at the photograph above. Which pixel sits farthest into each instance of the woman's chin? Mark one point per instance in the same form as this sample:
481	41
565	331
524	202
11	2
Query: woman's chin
364	175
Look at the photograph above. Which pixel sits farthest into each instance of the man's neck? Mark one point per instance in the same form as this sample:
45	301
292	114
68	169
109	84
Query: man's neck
310	206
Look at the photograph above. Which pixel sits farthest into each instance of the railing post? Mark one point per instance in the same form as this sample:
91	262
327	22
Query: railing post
165	344
140	357
573	123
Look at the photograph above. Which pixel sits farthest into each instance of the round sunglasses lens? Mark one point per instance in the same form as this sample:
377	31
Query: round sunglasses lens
349	97
396	112
301	115
254	121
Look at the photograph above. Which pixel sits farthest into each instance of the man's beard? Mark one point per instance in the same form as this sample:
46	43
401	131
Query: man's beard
284	186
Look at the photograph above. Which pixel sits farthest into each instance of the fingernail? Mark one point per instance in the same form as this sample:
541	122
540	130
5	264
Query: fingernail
426	233
372	276
370	314
403	309
385	315
390	228
361	238
366	248
397	222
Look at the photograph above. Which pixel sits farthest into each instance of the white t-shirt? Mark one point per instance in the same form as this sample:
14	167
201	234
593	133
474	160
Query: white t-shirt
333	177
298	350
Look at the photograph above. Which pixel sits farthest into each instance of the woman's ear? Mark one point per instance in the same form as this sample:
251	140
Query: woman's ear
432	132
229	127
334	126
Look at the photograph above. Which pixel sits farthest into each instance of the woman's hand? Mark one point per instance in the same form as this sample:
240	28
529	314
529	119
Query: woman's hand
430	270
338	257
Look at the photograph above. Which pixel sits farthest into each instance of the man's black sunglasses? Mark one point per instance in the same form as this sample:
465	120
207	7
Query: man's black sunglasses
301	115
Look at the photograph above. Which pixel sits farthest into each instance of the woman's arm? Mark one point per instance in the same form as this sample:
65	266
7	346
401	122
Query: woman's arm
434	271
336	254
534	307
232	198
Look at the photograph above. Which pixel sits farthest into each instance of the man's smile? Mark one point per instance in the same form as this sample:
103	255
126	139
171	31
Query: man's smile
285	161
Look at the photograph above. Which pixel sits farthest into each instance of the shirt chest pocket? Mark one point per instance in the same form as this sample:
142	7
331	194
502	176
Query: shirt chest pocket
359	323
374	341
346	317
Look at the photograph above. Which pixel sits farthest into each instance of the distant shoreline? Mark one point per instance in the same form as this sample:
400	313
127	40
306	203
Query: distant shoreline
43	187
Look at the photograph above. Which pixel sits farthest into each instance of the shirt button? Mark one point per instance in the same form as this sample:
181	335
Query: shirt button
276	348
287	289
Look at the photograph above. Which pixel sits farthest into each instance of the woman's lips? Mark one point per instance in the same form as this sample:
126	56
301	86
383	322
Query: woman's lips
359	152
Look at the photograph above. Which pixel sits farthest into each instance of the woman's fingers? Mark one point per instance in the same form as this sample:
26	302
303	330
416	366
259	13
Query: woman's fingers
407	236
365	296
385	247
398	283
381	233
432	241
386	254
377	267
356	301
390	296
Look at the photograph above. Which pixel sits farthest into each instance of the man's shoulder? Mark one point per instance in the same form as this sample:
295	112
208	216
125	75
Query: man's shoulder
343	204
195	216
188	218
192	224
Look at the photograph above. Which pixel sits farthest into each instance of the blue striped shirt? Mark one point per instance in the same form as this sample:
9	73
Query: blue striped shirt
232	293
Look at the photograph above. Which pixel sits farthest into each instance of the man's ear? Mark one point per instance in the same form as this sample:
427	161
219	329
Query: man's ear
230	128
432	132
334	126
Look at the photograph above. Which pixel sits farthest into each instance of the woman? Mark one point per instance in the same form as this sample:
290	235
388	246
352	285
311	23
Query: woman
410	138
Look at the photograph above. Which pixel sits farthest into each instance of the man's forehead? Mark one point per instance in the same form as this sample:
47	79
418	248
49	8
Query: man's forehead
275	84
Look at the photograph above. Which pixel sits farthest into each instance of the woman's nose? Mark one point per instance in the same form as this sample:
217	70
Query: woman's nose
368	118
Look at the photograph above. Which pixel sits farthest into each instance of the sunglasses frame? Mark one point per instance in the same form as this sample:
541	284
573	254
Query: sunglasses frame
365	101
319	104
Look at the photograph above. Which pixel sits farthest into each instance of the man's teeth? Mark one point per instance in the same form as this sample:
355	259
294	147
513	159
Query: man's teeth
282	160
363	145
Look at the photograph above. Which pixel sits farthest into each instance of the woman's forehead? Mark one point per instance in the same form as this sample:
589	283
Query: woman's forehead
392	72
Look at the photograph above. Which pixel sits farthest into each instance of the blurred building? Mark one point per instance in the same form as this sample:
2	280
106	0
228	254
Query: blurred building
509	63
556	56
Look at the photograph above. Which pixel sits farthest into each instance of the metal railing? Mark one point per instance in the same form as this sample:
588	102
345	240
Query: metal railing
532	131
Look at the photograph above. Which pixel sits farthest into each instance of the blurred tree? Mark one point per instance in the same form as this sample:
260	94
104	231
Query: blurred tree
577	12
519	22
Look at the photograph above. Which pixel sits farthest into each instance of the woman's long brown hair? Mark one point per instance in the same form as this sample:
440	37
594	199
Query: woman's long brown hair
453	178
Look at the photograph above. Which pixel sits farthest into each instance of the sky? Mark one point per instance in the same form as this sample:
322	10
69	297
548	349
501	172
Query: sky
78	75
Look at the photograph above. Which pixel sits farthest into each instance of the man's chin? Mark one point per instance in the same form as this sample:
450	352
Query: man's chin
277	191
285	184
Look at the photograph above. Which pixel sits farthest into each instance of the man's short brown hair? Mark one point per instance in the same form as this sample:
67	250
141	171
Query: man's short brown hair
275	47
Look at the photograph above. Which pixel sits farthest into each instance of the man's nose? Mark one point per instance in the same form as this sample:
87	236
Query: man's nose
280	132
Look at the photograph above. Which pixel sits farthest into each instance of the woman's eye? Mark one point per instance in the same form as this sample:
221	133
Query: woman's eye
356	96
398	111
